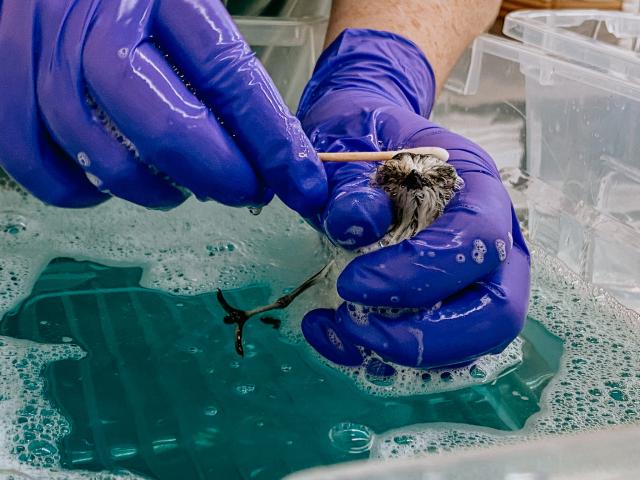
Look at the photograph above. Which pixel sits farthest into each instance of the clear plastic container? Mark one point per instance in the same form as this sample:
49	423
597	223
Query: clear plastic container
288	45
632	6
565	134
609	454
605	41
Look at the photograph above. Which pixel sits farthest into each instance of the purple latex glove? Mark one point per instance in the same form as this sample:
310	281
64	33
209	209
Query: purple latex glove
455	291
138	98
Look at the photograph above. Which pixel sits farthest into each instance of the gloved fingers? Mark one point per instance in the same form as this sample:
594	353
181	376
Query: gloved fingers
321	331
358	213
470	239
109	165
481	319
27	152
171	129
206	46
33	160
83	130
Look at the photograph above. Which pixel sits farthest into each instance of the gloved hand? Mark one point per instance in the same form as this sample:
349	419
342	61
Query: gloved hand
455	291
138	98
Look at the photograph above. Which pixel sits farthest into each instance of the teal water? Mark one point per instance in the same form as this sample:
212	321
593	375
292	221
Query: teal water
161	391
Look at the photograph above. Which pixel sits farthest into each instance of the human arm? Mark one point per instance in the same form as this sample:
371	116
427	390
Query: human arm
442	29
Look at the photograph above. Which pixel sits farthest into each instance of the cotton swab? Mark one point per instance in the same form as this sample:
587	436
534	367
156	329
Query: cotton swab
437	152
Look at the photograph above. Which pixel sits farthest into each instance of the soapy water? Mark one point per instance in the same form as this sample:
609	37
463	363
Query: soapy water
598	384
29	425
199	247
161	391
384	378
387	379
192	249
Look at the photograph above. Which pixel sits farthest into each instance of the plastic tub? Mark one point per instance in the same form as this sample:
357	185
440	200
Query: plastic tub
288	45
605	41
610	454
564	133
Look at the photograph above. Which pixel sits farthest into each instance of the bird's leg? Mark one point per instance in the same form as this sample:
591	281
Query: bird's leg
240	317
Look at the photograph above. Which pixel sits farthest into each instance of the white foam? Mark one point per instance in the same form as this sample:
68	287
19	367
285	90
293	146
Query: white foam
193	249
479	249
502	249
355	230
407	381
30	428
199	247
83	159
190	250
95	181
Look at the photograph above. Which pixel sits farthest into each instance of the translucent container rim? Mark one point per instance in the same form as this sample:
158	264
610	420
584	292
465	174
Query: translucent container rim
280	22
546	30
281	31
556	457
541	66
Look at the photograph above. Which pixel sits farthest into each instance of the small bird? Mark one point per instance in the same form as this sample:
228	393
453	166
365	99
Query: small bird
240	317
420	187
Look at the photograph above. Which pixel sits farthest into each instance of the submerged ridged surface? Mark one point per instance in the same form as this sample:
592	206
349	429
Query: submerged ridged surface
161	391
141	373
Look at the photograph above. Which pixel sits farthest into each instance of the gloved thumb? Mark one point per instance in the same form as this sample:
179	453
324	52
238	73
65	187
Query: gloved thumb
358	213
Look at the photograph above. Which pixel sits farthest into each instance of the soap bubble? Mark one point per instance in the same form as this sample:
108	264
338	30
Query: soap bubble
83	159
351	437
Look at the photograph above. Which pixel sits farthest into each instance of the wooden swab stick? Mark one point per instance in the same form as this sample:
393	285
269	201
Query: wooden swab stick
438	152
